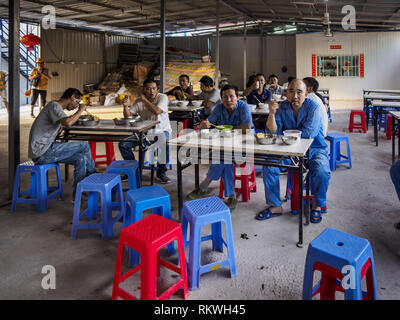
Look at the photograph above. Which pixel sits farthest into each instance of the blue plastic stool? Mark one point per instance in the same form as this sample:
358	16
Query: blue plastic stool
38	192
329	253
199	213
369	112
146	164
138	200
95	184
335	156
128	167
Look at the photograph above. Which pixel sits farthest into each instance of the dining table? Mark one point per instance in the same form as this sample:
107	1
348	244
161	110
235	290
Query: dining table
193	148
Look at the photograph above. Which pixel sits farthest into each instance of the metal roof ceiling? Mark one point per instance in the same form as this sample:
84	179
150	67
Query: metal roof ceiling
142	17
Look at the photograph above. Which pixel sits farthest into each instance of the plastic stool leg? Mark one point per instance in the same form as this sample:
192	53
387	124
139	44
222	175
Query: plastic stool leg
165	211
92	205
148	276
230	247
348	153
16	189
117	271
216	232
59	182
194	258
182	264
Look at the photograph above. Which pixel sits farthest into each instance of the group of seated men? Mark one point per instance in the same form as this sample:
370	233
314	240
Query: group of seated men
223	107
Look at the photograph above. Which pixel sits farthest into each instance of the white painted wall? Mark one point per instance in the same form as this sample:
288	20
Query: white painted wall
382	65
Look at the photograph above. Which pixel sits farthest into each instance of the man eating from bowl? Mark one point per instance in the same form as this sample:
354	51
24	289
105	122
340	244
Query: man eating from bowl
184	86
298	113
236	113
43	148
151	105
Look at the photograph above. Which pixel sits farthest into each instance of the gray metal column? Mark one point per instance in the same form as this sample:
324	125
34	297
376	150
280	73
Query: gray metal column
245	54
162	46
13	92
217	47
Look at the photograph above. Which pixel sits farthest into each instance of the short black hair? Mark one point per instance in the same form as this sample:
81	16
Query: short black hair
289	79
312	82
229	87
260	75
207	81
184	76
272	76
71	92
150	80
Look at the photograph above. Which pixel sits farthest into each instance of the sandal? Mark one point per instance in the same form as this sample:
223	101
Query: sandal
315	216
267	214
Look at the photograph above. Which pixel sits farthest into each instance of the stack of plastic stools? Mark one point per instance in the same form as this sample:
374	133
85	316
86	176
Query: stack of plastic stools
245	188
138	200
335	157
340	257
148	236
362	126
369	112
199	213
109	155
38	192
129	168
103	184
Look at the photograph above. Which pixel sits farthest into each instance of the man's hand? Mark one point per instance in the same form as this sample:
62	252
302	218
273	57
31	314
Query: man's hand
82	107
205	124
125	102
179	93
273	106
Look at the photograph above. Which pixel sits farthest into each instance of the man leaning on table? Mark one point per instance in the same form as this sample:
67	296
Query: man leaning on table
43	148
209	94
231	111
300	113
151	105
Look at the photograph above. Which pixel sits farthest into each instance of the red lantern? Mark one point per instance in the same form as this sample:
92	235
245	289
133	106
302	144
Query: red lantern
30	40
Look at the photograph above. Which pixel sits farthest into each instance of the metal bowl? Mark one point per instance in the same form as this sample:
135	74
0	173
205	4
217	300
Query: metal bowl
91	123
289	140
267	139
135	121
120	122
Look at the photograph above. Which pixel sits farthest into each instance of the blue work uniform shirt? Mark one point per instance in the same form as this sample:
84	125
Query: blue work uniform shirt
308	121
241	115
265	96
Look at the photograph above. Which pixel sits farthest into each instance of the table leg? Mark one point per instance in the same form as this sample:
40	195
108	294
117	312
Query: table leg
196	176
375	126
300	243
141	156
393	139
398	137
307	211
179	177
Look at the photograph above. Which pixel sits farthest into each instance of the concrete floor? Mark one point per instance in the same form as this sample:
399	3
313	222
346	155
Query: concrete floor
361	201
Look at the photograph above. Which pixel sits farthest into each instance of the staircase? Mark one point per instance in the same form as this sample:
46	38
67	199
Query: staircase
27	61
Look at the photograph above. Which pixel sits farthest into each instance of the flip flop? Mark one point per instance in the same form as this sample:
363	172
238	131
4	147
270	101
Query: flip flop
267	214
315	216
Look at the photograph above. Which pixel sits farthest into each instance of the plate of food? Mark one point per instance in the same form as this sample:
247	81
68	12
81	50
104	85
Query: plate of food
265	138
223	127
88	121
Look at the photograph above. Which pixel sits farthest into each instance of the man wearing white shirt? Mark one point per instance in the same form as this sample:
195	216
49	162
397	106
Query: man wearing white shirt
312	87
150	106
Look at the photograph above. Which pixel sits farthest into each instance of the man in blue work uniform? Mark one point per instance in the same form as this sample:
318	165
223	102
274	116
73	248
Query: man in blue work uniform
301	113
231	111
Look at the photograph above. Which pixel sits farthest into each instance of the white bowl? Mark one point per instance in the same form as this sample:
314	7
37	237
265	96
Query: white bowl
182	103
292	133
209	133
252	106
277	97
230	133
197	103
289	140
263	106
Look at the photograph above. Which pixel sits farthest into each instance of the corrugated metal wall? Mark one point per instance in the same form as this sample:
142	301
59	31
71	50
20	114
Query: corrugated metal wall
267	55
382	66
78	56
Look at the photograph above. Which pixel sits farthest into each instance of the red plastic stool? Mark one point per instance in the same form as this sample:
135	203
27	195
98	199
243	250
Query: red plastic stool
109	155
245	188
148	236
389	127
362	126
184	125
292	193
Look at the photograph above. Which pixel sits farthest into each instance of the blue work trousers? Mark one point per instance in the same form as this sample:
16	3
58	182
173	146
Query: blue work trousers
224	171
320	175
